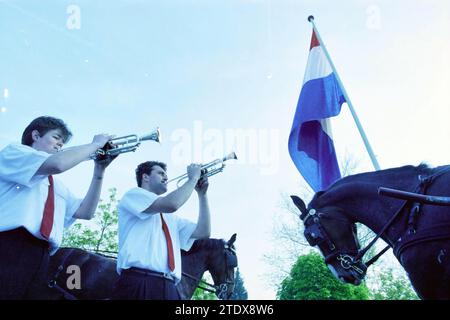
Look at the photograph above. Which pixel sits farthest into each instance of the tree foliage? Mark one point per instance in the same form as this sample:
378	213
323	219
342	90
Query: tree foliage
239	293
101	233
310	279
200	294
393	286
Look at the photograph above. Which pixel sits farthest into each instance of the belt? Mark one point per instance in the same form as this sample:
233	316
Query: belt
152	273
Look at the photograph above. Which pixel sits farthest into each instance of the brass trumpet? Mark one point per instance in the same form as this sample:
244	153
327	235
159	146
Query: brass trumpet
208	169
124	144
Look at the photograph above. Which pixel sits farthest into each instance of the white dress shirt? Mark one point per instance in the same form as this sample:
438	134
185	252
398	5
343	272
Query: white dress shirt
142	242
23	194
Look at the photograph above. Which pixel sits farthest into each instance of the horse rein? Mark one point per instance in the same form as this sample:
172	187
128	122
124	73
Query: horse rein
201	281
346	260
221	289
316	234
424	183
53	282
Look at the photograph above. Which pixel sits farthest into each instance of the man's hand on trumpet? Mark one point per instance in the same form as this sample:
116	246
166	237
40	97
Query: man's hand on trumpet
194	171
103	141
202	185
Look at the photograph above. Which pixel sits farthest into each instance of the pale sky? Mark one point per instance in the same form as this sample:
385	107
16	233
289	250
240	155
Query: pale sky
222	75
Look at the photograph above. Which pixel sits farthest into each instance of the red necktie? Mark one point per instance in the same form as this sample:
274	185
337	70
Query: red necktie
47	218
170	256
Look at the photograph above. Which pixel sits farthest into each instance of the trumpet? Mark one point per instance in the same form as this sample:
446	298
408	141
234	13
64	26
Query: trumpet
124	144
208	169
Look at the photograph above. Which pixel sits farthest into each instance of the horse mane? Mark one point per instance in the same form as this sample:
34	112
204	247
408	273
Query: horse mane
91	253
209	244
404	177
408	169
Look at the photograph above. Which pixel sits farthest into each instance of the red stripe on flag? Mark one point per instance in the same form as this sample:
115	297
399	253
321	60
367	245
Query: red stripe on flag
314	41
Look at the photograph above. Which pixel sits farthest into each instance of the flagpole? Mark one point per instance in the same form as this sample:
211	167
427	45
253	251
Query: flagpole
347	99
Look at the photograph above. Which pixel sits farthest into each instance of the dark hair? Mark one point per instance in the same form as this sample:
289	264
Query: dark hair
147	167
44	125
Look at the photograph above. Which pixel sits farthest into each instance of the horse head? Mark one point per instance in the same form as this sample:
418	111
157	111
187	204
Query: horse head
408	220
334	234
221	268
214	255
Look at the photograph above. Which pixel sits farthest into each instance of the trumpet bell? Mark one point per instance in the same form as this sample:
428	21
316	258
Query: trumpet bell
155	136
231	156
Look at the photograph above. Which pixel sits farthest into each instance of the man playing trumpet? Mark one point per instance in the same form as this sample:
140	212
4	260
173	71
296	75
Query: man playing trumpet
151	235
34	208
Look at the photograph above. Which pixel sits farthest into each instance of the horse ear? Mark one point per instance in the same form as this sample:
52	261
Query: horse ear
232	240
299	204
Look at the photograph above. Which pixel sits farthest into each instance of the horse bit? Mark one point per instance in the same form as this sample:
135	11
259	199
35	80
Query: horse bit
315	234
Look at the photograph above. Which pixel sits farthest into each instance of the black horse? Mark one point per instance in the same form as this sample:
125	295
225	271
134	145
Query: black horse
417	230
98	272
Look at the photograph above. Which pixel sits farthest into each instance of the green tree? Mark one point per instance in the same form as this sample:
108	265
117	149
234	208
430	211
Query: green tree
200	294
393	286
310	279
99	234
239	293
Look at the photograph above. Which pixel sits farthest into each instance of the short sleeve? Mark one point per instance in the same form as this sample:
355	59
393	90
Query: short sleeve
185	230
19	164
136	201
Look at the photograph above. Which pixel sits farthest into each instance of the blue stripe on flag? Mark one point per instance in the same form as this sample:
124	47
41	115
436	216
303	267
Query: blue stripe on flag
311	149
319	99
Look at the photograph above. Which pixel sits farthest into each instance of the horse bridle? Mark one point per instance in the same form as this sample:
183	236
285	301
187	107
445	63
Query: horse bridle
221	289
315	234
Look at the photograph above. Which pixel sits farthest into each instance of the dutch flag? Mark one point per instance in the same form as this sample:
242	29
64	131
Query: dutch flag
310	141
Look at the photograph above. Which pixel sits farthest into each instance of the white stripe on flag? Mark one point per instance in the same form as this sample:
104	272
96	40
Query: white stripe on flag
317	66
